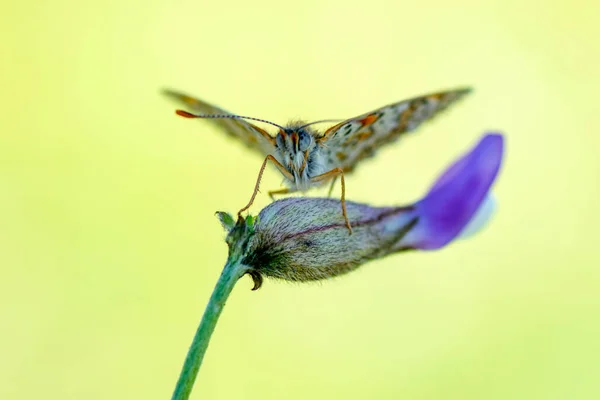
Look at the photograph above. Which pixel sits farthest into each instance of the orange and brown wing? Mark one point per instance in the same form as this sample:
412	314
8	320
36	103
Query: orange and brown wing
254	137
355	139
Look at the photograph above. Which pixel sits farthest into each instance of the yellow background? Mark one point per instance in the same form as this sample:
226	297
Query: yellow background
109	248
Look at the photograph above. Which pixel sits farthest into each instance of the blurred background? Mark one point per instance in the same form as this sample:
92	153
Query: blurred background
109	247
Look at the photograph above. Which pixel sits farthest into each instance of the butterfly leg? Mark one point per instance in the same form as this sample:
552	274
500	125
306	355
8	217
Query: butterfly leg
280	167
280	191
331	187
334	173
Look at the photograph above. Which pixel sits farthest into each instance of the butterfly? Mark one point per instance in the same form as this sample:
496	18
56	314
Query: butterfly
308	158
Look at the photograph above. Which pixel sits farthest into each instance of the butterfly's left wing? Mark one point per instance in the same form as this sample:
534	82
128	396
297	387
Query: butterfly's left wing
355	139
254	137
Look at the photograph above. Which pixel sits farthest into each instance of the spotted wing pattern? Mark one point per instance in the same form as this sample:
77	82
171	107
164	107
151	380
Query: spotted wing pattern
355	139
254	137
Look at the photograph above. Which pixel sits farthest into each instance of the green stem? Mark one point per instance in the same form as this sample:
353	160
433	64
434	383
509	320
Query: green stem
232	271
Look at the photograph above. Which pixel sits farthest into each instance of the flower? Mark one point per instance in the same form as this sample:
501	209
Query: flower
304	239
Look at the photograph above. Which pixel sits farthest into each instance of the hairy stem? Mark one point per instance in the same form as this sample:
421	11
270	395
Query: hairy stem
232	271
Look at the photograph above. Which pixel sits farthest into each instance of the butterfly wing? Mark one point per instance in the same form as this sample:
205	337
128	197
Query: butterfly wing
355	139
254	137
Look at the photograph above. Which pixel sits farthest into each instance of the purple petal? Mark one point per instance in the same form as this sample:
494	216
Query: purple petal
481	218
457	195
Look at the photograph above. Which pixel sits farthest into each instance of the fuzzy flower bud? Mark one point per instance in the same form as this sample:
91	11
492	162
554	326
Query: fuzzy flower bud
304	239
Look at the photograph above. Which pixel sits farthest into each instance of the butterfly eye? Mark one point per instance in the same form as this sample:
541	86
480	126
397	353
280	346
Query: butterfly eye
304	141
280	141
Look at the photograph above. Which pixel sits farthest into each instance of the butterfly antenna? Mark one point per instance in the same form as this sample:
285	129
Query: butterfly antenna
320	121
186	114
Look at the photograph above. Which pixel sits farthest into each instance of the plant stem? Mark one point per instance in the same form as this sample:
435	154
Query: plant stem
232	271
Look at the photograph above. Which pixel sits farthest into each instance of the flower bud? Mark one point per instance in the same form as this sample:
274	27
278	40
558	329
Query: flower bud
305	239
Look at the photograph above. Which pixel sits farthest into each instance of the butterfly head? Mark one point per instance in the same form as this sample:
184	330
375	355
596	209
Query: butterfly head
294	140
295	146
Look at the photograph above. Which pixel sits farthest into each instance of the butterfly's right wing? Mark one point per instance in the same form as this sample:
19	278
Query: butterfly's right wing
254	137
351	141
